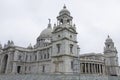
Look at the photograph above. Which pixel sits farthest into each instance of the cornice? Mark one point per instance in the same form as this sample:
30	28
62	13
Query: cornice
65	38
64	28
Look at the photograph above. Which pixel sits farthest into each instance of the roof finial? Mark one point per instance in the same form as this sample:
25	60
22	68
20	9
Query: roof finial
108	36
64	6
49	25
49	20
0	46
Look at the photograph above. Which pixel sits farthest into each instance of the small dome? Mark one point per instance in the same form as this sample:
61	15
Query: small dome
109	39
64	11
30	46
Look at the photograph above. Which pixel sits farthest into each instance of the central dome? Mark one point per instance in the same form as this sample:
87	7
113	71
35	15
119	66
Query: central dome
46	33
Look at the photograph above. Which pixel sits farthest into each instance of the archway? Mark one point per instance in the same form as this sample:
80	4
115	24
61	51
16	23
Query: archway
4	63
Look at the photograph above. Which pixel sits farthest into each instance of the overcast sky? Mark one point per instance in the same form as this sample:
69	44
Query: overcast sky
23	20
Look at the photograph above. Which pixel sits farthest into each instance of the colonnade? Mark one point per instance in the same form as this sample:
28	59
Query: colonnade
92	68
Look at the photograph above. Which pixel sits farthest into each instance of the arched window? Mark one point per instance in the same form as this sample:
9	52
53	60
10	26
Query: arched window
4	64
108	46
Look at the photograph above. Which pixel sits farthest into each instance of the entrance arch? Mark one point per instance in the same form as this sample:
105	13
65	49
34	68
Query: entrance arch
4	63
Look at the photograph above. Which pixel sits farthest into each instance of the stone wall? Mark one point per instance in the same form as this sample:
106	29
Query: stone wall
55	77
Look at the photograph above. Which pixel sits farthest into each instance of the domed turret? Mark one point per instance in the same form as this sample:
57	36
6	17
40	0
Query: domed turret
64	16
109	39
64	11
109	46
109	42
111	57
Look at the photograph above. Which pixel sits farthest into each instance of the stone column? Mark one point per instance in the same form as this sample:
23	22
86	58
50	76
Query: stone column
92	66
94	69
103	69
14	70
88	67
100	68
81	68
97	68
85	68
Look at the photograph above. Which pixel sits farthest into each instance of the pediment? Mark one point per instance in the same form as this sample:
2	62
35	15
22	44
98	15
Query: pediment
72	29
58	29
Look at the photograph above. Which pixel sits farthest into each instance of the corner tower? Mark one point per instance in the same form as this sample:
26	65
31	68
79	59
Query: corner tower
64	43
111	57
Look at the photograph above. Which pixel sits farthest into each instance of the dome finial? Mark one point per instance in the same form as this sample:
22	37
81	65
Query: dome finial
49	20
64	6
49	25
0	46
108	36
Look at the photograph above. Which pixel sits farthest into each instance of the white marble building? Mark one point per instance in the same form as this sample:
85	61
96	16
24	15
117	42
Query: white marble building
56	51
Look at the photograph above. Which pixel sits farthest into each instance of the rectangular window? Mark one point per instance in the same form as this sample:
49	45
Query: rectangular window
35	57
71	48
43	70
47	53
58	48
44	56
26	57
29	68
18	69
72	64
41	56
19	57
